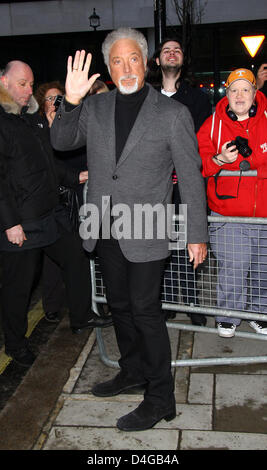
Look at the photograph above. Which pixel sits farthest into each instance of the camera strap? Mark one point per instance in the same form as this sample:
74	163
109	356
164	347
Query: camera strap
225	196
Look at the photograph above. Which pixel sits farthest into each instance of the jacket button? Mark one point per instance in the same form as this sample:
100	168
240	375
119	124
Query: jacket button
114	177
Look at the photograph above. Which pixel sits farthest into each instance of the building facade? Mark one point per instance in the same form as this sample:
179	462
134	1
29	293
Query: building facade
43	33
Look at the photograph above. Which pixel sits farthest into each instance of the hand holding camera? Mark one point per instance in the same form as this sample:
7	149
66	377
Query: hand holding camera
242	147
229	152
51	113
57	101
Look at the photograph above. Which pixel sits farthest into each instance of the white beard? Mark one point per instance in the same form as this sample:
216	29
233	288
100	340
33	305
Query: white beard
126	90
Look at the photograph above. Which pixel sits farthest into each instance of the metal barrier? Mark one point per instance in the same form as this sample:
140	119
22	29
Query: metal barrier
188	292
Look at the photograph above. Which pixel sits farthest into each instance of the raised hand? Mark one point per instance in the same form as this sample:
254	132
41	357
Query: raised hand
50	115
77	82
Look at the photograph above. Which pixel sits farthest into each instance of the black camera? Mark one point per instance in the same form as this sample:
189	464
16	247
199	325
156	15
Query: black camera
57	101
243	148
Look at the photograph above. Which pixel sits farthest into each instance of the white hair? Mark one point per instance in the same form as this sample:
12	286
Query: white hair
124	33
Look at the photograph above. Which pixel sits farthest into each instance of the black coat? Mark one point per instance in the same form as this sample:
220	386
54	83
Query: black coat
196	100
200	108
29	174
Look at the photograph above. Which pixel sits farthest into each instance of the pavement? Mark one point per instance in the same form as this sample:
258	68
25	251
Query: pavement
219	407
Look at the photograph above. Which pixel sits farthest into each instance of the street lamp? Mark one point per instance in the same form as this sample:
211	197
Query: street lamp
94	20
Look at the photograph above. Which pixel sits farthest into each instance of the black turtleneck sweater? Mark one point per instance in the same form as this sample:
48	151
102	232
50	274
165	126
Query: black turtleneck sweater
126	112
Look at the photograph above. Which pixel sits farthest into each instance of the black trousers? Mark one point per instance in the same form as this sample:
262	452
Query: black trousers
53	289
19	271
133	294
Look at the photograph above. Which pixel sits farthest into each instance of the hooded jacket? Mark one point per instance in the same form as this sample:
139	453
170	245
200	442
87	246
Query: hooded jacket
250	193
29	174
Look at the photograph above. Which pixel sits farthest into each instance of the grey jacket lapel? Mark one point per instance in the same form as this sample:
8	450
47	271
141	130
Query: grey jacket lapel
106	117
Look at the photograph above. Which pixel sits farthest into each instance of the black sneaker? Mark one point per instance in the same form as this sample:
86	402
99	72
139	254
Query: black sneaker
24	357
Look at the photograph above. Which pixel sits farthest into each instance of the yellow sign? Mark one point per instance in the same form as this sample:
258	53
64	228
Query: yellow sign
252	43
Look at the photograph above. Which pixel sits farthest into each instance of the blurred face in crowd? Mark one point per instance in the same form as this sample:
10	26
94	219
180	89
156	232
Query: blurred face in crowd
49	99
126	66
19	83
241	95
171	57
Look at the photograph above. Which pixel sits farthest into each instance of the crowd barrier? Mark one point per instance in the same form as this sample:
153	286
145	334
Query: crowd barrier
198	293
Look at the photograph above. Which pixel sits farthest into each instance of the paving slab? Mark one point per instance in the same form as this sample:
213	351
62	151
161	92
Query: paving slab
207	440
105	413
241	403
201	388
80	438
210	345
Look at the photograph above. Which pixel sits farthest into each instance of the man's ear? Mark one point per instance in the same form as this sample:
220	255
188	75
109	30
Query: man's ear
4	81
145	64
157	61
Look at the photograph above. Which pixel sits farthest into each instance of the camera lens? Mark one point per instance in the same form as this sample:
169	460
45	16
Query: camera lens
245	151
244	165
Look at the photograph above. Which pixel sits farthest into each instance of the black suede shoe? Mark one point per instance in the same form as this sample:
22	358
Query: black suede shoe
24	357
145	416
52	317
120	383
197	319
95	321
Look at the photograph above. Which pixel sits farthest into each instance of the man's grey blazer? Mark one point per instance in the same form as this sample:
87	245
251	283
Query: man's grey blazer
161	139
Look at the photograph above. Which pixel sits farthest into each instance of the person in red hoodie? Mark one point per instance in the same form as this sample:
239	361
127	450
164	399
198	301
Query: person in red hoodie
240	249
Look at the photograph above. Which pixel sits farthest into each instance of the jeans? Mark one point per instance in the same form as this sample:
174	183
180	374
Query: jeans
241	252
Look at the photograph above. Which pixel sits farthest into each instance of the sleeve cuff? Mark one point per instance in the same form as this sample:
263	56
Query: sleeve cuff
69	106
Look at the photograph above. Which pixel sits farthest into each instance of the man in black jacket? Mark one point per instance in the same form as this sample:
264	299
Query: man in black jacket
170	78
31	218
169	68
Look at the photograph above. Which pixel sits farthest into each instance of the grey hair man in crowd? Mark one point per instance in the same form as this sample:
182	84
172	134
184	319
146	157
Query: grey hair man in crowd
134	136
